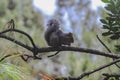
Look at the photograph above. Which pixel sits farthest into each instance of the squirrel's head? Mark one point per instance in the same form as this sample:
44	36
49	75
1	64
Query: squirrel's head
53	23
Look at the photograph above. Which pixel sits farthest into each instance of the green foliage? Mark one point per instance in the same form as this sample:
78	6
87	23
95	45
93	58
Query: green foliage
10	68
111	23
9	71
112	79
105	1
31	21
12	72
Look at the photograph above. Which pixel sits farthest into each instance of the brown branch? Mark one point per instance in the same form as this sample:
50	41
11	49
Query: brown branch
111	75
17	42
103	44
35	57
60	48
29	56
22	56
19	31
77	49
107	76
64	48
37	50
53	54
67	78
99	68
106	48
91	72
5	57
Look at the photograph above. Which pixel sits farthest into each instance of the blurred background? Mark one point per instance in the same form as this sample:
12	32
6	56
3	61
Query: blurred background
81	17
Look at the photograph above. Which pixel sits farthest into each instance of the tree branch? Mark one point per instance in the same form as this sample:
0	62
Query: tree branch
90	72
53	54
29	56
37	50
77	49
111	75
106	48
103	44
99	68
5	57
107	76
19	31
17	42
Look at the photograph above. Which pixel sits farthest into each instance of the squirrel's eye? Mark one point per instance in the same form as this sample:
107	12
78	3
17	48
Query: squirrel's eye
51	24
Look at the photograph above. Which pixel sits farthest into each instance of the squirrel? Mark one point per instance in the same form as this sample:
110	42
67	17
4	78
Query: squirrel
55	37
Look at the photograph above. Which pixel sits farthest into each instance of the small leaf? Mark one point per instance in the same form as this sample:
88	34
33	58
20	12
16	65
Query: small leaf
114	29
118	46
111	8
110	14
106	27
103	21
114	37
112	78
106	34
110	18
105	1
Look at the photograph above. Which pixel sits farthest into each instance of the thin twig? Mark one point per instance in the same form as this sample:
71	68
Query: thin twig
106	48
53	54
99	68
77	49
67	78
25	59
5	57
17	42
110	75
22	56
103	44
29	56
19	31
36	50
90	72
82	75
